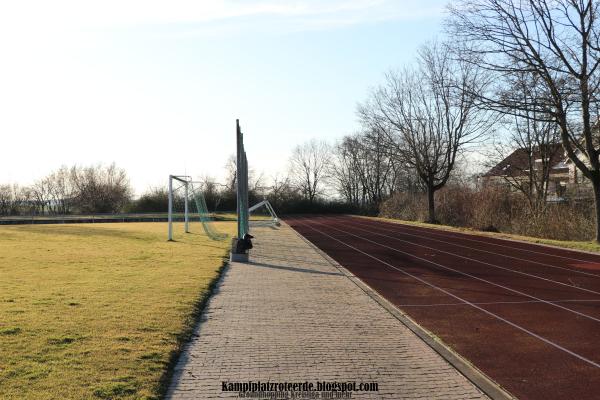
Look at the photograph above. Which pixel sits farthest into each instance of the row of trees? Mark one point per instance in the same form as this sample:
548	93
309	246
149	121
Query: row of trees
427	114
540	63
92	189
414	127
527	67
359	169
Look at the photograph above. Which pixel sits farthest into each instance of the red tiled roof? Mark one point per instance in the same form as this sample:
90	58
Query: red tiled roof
517	163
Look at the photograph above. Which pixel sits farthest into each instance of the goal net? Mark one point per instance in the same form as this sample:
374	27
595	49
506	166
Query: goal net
188	210
263	214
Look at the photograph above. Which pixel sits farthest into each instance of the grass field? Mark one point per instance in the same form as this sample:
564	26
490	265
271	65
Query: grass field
97	311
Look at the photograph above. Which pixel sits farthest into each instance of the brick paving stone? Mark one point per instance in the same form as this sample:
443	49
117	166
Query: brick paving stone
290	315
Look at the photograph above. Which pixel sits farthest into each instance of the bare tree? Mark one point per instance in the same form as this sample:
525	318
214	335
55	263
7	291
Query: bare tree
231	173
555	42
528	156
309	165
100	189
27	202
6	199
41	194
345	170
15	200
63	190
212	191
281	192
257	183
362	169
429	115
538	142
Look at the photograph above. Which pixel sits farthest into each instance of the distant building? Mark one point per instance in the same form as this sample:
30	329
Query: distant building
564	176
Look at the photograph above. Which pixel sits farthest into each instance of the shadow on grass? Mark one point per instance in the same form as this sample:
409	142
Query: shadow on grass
84	231
203	244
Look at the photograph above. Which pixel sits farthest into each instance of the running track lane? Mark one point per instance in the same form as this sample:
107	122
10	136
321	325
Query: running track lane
526	315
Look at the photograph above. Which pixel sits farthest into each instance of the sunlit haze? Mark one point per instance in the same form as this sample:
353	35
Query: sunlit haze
156	86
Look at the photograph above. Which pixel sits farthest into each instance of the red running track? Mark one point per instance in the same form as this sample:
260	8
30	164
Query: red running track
526	315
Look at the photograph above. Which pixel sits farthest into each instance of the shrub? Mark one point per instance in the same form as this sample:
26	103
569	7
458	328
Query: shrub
497	209
407	206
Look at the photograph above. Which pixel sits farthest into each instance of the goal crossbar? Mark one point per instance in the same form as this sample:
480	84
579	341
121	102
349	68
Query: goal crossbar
185	180
201	208
267	205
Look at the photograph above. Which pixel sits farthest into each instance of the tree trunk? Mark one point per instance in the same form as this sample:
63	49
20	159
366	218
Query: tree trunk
431	203
596	185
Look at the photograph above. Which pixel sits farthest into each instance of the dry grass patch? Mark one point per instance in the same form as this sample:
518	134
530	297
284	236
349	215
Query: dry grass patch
96	311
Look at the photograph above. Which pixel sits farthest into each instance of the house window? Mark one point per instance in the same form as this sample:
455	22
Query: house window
561	189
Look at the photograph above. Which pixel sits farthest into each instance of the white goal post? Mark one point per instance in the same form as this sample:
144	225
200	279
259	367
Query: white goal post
199	208
268	222
185	182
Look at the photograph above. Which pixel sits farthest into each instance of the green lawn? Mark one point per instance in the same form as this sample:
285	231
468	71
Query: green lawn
97	311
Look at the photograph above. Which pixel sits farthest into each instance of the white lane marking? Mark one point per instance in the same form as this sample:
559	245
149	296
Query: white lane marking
514	325
499	303
476	249
473	276
467	236
474	260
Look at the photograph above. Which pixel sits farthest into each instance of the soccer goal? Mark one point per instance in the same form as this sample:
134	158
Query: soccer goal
263	214
188	205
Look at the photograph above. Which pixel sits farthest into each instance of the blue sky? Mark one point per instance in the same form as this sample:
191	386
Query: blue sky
156	86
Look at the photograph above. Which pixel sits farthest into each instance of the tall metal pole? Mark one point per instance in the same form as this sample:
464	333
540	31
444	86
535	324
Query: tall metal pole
245	198
237	186
170	207
187	216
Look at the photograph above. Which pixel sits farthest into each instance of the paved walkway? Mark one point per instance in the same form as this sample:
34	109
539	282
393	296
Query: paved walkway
290	315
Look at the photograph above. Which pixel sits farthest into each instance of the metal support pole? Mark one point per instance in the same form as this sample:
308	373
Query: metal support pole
170	207
241	244
187	215
238	159
245	194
